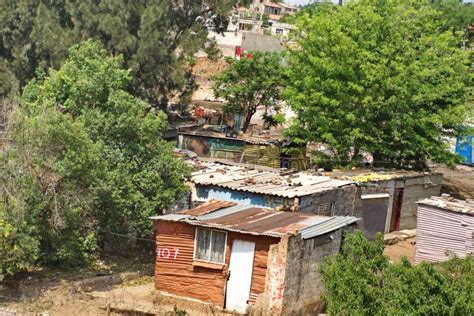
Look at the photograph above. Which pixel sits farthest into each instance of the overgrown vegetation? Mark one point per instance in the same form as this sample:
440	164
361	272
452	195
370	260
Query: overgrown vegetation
389	78
157	39
360	280
85	157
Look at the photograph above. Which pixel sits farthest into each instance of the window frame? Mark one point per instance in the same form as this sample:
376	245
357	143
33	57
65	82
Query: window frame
210	245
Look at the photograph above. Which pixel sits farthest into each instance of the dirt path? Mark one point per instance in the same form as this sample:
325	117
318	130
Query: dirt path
135	297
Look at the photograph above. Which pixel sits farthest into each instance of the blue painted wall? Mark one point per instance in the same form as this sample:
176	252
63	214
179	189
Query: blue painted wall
205	193
464	148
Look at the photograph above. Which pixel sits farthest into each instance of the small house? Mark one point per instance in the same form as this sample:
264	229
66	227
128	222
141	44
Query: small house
404	187
445	228
262	151
241	257
295	192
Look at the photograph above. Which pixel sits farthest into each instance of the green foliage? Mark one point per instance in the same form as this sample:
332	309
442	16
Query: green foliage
380	77
87	157
155	37
247	84
49	172
456	14
361	281
18	249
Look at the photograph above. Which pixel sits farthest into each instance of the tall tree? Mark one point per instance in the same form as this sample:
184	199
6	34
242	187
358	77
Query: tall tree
249	83
85	157
157	38
381	77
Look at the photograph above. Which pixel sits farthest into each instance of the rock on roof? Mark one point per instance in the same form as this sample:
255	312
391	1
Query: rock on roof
448	203
265	182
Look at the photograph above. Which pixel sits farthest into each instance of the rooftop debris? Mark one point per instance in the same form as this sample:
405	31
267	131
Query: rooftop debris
265	182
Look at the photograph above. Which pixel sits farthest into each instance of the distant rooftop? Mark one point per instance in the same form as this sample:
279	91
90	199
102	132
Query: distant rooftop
257	221
258	140
447	202
264	182
367	175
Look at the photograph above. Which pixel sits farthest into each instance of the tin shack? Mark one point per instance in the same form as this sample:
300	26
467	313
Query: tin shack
445	229
258	150
405	189
295	192
241	257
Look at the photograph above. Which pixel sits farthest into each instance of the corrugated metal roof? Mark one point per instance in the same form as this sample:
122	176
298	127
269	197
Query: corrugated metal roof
210	206
265	182
246	139
448	203
170	217
331	224
259	221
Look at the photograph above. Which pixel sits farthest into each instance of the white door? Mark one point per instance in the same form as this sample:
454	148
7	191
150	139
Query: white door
240	279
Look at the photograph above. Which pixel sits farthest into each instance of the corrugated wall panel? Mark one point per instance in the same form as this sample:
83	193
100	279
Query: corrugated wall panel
176	274
441	234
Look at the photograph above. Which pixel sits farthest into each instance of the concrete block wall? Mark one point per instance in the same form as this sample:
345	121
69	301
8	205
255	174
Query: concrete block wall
303	284
417	189
343	199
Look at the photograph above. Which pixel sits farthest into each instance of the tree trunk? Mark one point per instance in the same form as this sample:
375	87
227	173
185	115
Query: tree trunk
246	124
248	118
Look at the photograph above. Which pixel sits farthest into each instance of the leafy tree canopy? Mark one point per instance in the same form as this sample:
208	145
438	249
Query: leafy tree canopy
249	83
383	77
85	157
157	39
361	281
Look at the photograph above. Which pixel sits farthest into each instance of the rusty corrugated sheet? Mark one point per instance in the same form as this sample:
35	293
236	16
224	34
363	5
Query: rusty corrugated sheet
442	234
174	265
259	221
176	274
208	207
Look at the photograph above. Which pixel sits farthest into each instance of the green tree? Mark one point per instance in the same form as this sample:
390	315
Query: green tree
85	157
49	172
249	83
156	38
361	281
457	15
380	77
141	175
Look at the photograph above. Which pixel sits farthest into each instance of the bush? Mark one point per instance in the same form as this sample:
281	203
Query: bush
361	281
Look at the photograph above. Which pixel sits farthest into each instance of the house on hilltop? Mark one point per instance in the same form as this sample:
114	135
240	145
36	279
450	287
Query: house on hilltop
241	257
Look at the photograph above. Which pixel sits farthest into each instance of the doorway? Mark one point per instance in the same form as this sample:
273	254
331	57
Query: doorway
396	209
240	275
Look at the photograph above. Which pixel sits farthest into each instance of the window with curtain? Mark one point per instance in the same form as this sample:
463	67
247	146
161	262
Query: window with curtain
210	245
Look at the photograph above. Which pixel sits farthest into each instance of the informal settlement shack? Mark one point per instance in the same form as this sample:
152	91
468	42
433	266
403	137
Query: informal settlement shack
294	192
404	187
257	150
445	229
236	256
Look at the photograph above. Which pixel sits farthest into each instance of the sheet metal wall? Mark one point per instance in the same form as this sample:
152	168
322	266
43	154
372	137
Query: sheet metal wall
245	198
443	233
177	275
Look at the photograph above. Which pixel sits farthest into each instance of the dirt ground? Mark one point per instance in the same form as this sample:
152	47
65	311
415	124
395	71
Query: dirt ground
405	248
117	288
458	181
